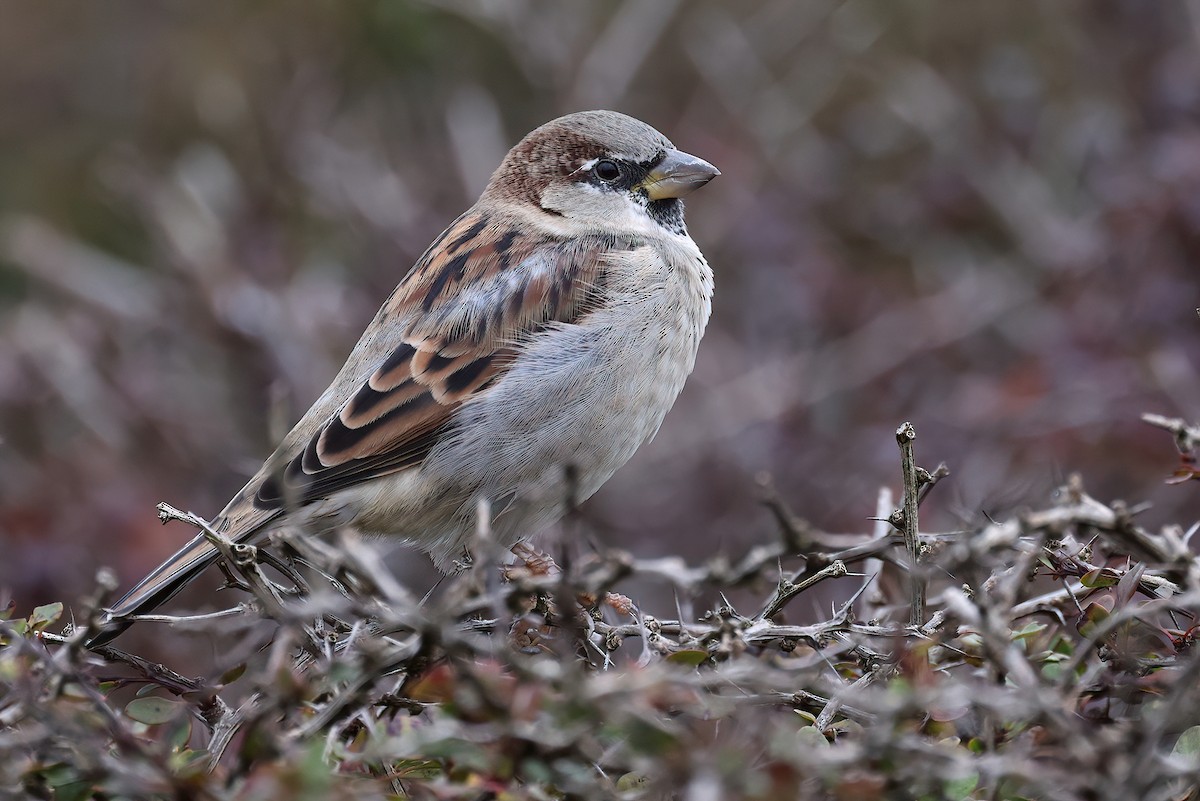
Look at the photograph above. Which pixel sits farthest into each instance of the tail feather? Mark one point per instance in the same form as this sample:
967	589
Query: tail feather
240	521
157	588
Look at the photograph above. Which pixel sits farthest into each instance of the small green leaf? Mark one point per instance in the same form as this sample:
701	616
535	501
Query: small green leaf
690	657
961	789
1098	578
10	668
632	781
151	711
646	739
1188	744
846	726
1093	616
45	615
67	784
58	774
808	717
80	790
1062	645
179	733
811	736
233	674
190	764
1028	631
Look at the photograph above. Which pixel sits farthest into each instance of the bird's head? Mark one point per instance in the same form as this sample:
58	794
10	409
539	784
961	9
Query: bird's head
601	169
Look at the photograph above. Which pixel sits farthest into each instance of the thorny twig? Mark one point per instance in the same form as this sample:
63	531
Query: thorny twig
908	524
371	641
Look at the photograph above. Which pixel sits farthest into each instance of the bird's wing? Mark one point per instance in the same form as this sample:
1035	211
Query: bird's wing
460	317
450	329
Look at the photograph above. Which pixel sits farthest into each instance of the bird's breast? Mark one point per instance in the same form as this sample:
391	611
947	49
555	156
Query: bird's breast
584	395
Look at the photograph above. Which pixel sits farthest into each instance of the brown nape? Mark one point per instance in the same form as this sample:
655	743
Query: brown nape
537	161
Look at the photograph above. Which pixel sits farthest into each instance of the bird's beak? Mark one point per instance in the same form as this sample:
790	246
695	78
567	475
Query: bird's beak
678	174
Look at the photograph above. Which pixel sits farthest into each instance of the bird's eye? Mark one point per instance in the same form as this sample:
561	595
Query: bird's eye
607	170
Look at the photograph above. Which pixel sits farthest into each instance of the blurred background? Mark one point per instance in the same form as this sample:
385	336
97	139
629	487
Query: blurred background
981	217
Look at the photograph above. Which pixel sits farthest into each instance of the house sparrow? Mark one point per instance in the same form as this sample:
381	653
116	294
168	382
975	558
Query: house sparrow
529	352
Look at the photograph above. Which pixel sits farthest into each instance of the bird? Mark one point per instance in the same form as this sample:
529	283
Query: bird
531	350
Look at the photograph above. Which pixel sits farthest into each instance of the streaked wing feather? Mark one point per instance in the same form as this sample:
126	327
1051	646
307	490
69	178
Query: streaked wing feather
465	308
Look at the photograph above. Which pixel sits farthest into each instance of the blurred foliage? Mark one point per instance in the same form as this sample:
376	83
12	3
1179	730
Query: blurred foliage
981	217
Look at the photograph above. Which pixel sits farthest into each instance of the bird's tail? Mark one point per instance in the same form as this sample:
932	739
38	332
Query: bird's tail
157	588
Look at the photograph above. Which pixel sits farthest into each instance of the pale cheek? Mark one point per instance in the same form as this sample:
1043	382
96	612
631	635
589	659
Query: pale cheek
600	210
